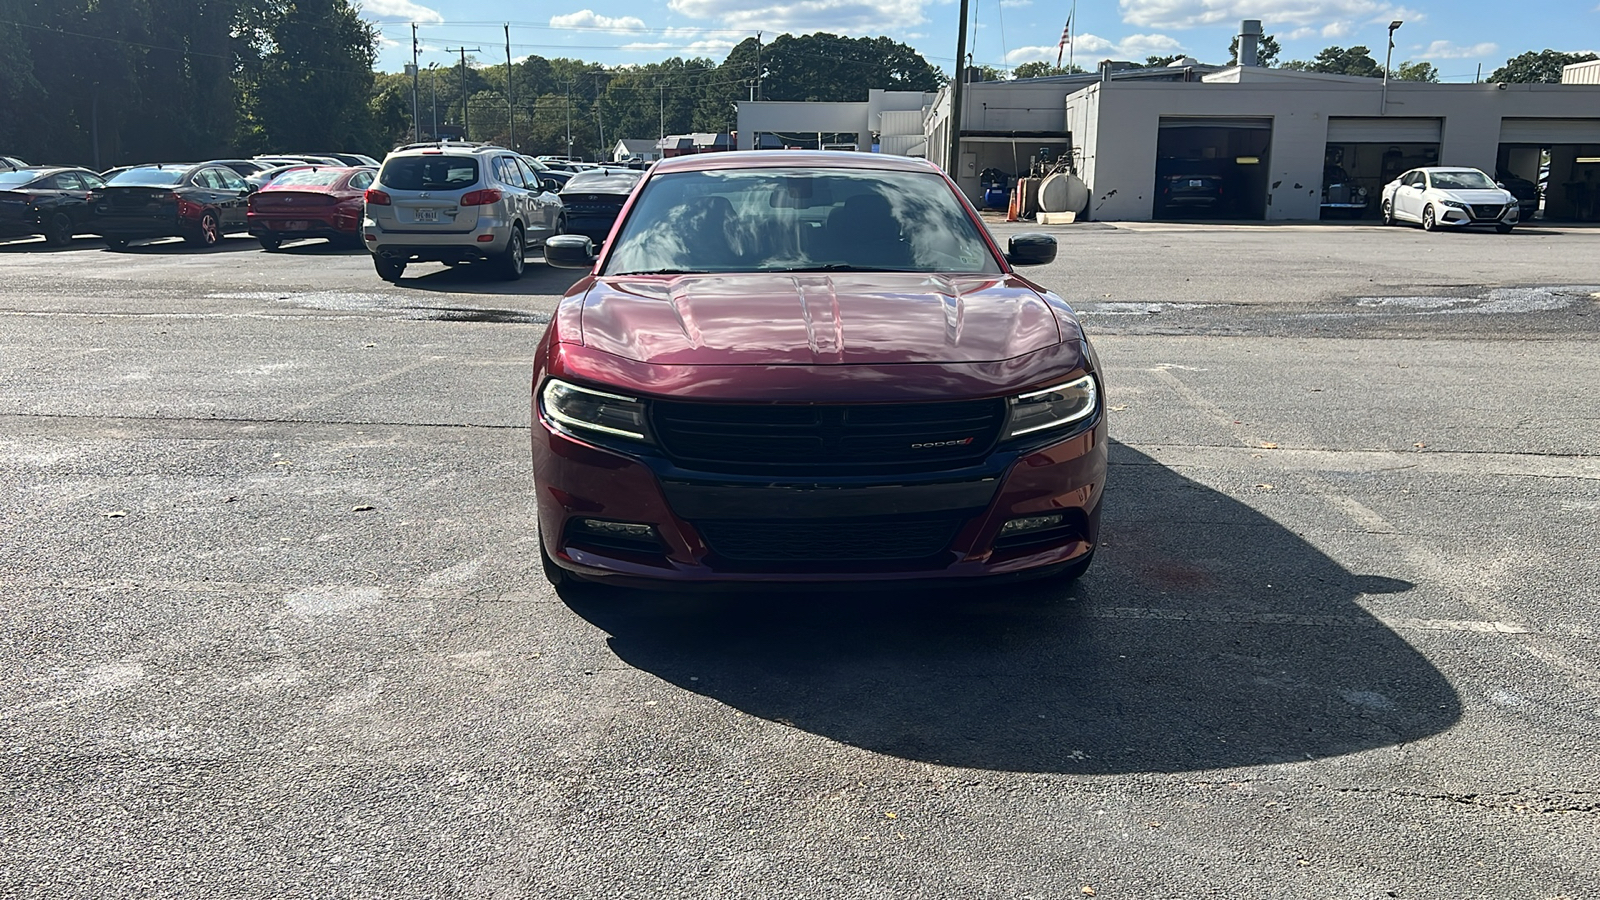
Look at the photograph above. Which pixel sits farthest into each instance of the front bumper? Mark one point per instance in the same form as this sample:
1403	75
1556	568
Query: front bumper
706	523
1454	217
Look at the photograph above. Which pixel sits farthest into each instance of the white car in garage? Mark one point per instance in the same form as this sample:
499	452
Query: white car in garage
1445	197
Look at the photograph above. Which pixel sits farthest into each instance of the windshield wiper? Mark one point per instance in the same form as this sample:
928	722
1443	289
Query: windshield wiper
667	272
841	267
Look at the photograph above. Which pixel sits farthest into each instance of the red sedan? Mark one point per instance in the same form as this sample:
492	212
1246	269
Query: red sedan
321	201
812	367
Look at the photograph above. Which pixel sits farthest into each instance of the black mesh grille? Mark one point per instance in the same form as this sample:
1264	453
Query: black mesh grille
841	439
1487	212
889	538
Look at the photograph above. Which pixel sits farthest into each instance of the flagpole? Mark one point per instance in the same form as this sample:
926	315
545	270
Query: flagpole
1072	45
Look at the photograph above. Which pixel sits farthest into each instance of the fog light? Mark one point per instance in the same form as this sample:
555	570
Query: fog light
485	238
634	530
1030	523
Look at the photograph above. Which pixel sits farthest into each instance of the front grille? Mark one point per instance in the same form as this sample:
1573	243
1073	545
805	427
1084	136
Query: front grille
1482	211
828	438
859	540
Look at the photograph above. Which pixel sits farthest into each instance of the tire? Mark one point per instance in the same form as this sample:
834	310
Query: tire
388	270
513	262
270	241
1503	228
58	233
553	573
207	233
1429	223
1388	212
117	243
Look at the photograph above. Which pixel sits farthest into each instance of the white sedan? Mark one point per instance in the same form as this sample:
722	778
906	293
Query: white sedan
1442	197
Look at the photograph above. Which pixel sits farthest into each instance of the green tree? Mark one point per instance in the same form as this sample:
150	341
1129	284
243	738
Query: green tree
309	83
1267	51
1037	69
1417	71
1356	60
1543	67
1159	61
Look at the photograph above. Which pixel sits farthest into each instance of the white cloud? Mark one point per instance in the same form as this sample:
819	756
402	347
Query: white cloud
1447	50
714	48
1300	34
403	10
849	17
588	18
1196	13
1134	46
1337	29
1011	4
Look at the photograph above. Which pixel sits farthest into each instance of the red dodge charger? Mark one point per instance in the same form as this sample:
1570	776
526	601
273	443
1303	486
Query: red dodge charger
801	367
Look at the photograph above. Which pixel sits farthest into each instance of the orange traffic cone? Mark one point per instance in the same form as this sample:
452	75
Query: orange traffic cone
1011	208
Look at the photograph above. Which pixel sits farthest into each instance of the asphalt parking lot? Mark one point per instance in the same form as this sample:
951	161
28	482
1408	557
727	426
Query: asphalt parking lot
274	626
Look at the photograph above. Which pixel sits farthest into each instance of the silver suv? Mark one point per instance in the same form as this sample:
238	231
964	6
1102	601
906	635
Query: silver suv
456	202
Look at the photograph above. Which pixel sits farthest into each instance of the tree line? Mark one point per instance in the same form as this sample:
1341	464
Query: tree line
100	83
103	83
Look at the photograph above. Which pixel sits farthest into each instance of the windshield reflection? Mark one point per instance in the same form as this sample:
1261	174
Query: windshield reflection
799	220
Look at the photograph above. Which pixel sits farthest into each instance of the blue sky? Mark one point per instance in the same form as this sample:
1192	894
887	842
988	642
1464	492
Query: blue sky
1455	35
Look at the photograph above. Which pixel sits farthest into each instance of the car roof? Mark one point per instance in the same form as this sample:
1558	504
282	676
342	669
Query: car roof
832	159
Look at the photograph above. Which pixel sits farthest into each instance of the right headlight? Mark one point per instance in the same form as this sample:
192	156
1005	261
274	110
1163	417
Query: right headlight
1054	407
579	410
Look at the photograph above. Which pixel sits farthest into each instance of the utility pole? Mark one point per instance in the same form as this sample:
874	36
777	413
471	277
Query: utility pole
511	107
465	128
569	118
662	88
433	76
758	67
953	163
600	157
416	110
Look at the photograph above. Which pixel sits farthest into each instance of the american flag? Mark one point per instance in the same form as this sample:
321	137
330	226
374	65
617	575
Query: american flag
1066	38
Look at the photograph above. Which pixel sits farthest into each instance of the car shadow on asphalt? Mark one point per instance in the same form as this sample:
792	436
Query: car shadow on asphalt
180	246
40	245
481	278
1207	635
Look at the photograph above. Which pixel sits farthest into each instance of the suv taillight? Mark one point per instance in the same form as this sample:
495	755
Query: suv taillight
482	198
376	197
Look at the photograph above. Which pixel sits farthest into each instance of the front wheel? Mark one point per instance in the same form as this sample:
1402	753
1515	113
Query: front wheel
513	261
1503	228
388	270
208	233
59	230
1388	212
1429	223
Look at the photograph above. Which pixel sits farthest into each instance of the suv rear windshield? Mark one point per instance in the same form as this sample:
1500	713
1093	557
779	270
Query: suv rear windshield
430	173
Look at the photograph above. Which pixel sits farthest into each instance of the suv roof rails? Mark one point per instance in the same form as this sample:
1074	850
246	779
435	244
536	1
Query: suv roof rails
473	145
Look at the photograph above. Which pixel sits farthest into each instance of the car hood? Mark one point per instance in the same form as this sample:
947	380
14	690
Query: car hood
816	319
1489	195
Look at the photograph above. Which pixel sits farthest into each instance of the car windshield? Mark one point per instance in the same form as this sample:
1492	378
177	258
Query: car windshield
1462	181
309	177
799	220
430	173
149	176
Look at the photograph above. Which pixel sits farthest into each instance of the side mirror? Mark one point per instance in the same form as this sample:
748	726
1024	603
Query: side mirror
1500	184
1031	250
550	184
569	251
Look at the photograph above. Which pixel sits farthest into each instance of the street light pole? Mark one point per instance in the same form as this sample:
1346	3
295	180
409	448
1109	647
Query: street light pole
953	160
1388	56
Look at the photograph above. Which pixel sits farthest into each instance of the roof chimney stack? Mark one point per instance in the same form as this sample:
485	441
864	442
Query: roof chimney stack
1250	43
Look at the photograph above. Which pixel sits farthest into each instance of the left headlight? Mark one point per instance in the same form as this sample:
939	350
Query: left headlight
582	409
1453	204
1054	407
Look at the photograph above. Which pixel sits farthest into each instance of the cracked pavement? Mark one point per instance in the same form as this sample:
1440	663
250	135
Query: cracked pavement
274	626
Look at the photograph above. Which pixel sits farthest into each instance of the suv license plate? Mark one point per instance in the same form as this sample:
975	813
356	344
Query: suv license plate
1195	182
427	215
